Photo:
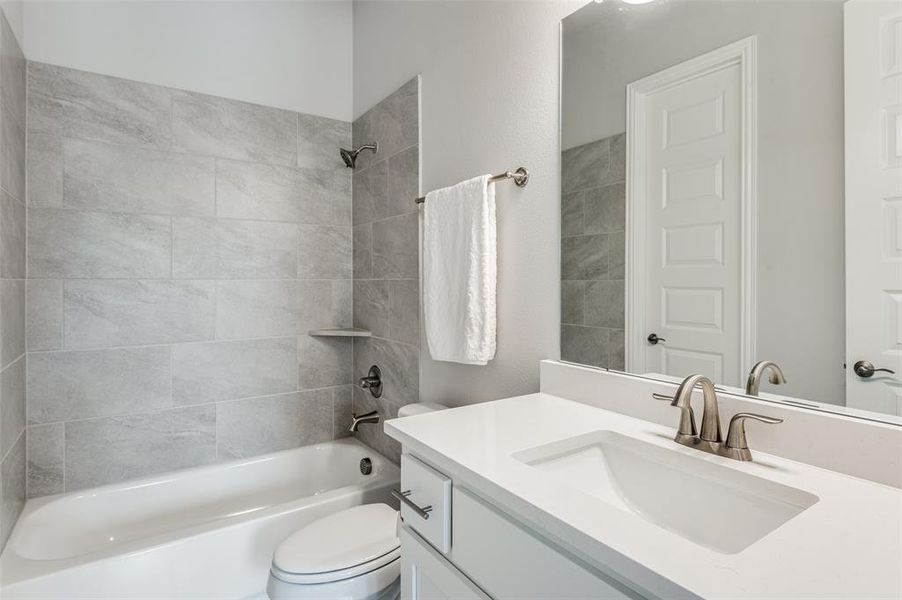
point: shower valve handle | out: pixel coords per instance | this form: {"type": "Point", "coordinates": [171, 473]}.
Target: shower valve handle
{"type": "Point", "coordinates": [373, 381]}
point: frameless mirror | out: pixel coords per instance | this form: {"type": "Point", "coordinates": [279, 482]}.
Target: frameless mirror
{"type": "Point", "coordinates": [731, 178]}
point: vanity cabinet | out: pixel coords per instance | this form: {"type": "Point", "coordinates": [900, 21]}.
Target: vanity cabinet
{"type": "Point", "coordinates": [485, 554]}
{"type": "Point", "coordinates": [425, 575]}
{"type": "Point", "coordinates": [424, 486]}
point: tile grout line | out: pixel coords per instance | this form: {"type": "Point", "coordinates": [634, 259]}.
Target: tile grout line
{"type": "Point", "coordinates": [181, 407]}
{"type": "Point", "coordinates": [12, 362]}
{"type": "Point", "coordinates": [171, 215]}
{"type": "Point", "coordinates": [100, 141]}
{"type": "Point", "coordinates": [170, 344]}
{"type": "Point", "coordinates": [25, 325]}
{"type": "Point", "coordinates": [13, 447]}
{"type": "Point", "coordinates": [187, 279]}
{"type": "Point", "coordinates": [65, 468]}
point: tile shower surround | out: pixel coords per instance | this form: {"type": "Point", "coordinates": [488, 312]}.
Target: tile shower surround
{"type": "Point", "coordinates": [180, 246]}
{"type": "Point", "coordinates": [12, 280]}
{"type": "Point", "coordinates": [386, 258]}
{"type": "Point", "coordinates": [593, 202]}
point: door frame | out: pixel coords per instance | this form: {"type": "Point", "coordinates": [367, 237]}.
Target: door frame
{"type": "Point", "coordinates": [744, 54]}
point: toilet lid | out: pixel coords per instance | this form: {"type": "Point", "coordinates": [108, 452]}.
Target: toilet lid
{"type": "Point", "coordinates": [342, 545]}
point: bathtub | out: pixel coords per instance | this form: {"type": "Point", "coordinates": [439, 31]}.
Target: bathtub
{"type": "Point", "coordinates": [207, 532]}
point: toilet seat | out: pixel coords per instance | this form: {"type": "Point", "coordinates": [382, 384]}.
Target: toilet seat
{"type": "Point", "coordinates": [344, 545]}
{"type": "Point", "coordinates": [337, 575]}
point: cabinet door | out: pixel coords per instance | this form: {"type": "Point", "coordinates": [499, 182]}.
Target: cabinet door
{"type": "Point", "coordinates": [511, 562]}
{"type": "Point", "coordinates": [425, 575]}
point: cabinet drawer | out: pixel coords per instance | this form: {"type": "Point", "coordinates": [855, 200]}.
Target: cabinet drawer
{"type": "Point", "coordinates": [426, 488]}
{"type": "Point", "coordinates": [508, 561]}
{"type": "Point", "coordinates": [425, 575]}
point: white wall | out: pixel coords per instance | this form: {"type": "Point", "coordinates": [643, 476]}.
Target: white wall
{"type": "Point", "coordinates": [801, 308]}
{"type": "Point", "coordinates": [292, 55]}
{"type": "Point", "coordinates": [489, 102]}
{"type": "Point", "coordinates": [12, 9]}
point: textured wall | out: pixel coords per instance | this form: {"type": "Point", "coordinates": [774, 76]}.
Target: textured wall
{"type": "Point", "coordinates": [386, 258]}
{"type": "Point", "coordinates": [180, 246]}
{"type": "Point", "coordinates": [593, 246]}
{"type": "Point", "coordinates": [12, 280]}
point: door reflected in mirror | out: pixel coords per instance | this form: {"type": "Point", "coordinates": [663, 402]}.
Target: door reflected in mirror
{"type": "Point", "coordinates": [722, 163]}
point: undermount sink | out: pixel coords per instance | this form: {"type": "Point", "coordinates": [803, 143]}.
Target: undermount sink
{"type": "Point", "coordinates": [710, 504]}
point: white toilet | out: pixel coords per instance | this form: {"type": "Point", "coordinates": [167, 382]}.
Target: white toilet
{"type": "Point", "coordinates": [353, 554]}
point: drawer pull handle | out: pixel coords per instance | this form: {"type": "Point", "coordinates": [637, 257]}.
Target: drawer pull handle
{"type": "Point", "coordinates": [402, 496]}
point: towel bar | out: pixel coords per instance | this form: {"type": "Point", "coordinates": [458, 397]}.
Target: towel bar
{"type": "Point", "coordinates": [520, 177]}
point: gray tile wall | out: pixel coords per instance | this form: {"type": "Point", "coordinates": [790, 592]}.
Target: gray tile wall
{"type": "Point", "coordinates": [386, 258]}
{"type": "Point", "coordinates": [12, 280]}
{"type": "Point", "coordinates": [593, 201]}
{"type": "Point", "coordinates": [180, 246]}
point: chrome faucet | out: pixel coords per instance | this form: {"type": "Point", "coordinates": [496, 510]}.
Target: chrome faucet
{"type": "Point", "coordinates": [710, 435]}
{"type": "Point", "coordinates": [710, 439]}
{"type": "Point", "coordinates": [370, 417]}
{"type": "Point", "coordinates": [737, 446]}
{"type": "Point", "coordinates": [758, 371]}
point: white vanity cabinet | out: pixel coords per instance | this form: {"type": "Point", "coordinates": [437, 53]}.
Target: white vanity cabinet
{"type": "Point", "coordinates": [610, 520]}
{"type": "Point", "coordinates": [425, 575]}
{"type": "Point", "coordinates": [485, 553]}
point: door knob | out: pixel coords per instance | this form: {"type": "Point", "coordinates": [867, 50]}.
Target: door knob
{"type": "Point", "coordinates": [866, 369]}
{"type": "Point", "coordinates": [654, 339]}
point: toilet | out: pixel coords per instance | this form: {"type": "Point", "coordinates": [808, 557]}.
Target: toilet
{"type": "Point", "coordinates": [353, 554]}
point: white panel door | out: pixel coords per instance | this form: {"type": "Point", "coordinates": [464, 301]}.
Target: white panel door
{"type": "Point", "coordinates": [691, 176]}
{"type": "Point", "coordinates": [873, 104]}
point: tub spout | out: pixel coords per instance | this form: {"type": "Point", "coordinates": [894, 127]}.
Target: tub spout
{"type": "Point", "coordinates": [370, 417]}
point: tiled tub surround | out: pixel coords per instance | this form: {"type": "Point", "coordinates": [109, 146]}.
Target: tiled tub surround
{"type": "Point", "coordinates": [386, 258]}
{"type": "Point", "coordinates": [180, 246]}
{"type": "Point", "coordinates": [593, 200]}
{"type": "Point", "coordinates": [12, 280]}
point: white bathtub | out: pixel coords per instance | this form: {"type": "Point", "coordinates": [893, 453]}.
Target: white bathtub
{"type": "Point", "coordinates": [200, 533]}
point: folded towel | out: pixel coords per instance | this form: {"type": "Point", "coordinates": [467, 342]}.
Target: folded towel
{"type": "Point", "coordinates": [459, 272]}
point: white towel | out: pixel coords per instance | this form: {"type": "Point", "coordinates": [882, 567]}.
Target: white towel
{"type": "Point", "coordinates": [459, 272]}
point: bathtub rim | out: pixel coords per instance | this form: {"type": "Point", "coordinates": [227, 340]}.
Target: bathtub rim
{"type": "Point", "coordinates": [15, 568]}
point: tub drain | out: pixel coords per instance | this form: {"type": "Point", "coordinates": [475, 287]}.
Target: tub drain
{"type": "Point", "coordinates": [366, 466]}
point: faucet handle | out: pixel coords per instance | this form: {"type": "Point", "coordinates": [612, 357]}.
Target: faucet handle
{"type": "Point", "coordinates": [687, 426]}
{"type": "Point", "coordinates": [736, 434]}
{"type": "Point", "coordinates": [373, 381]}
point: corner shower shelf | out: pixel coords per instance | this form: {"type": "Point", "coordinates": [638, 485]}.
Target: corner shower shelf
{"type": "Point", "coordinates": [341, 332]}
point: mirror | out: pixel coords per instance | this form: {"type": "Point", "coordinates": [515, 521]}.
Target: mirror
{"type": "Point", "coordinates": [731, 177]}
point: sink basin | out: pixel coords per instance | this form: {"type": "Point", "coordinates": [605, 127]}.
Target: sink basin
{"type": "Point", "coordinates": [707, 503]}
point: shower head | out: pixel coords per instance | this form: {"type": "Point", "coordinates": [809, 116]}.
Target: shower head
{"type": "Point", "coordinates": [350, 156]}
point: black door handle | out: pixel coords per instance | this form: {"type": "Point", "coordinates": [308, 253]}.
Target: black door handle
{"type": "Point", "coordinates": [654, 339]}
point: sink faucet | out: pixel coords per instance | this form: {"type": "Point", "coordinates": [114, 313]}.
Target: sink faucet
{"type": "Point", "coordinates": [370, 417]}
{"type": "Point", "coordinates": [737, 446]}
{"type": "Point", "coordinates": [711, 416]}
{"type": "Point", "coordinates": [758, 371]}
{"type": "Point", "coordinates": [710, 439]}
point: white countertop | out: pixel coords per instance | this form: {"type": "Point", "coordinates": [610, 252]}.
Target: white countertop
{"type": "Point", "coordinates": [847, 545]}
